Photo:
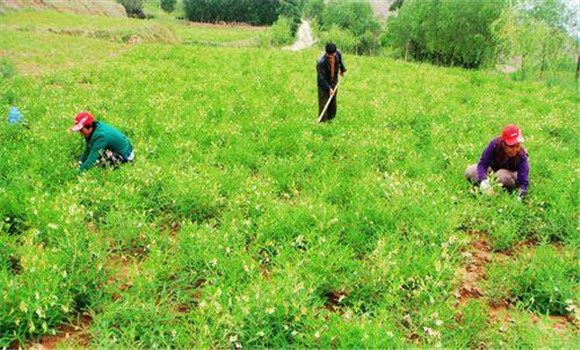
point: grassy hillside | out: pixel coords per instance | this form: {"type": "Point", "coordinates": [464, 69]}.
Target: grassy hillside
{"type": "Point", "coordinates": [243, 223]}
{"type": "Point", "coordinates": [85, 7]}
{"type": "Point", "coordinates": [165, 30]}
{"type": "Point", "coordinates": [35, 41]}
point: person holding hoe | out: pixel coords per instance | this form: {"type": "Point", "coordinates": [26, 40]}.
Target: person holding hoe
{"type": "Point", "coordinates": [327, 68]}
{"type": "Point", "coordinates": [505, 157]}
{"type": "Point", "coordinates": [105, 145]}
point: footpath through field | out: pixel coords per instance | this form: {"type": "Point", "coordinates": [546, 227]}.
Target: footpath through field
{"type": "Point", "coordinates": [305, 38]}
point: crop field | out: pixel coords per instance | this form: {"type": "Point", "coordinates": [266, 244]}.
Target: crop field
{"type": "Point", "coordinates": [244, 224]}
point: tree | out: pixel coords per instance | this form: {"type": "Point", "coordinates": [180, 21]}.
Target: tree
{"type": "Point", "coordinates": [313, 8]}
{"type": "Point", "coordinates": [256, 12]}
{"type": "Point", "coordinates": [353, 24]}
{"type": "Point", "coordinates": [536, 40]}
{"type": "Point", "coordinates": [445, 31]}
{"type": "Point", "coordinates": [358, 17]}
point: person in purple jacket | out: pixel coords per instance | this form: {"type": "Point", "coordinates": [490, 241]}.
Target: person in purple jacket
{"type": "Point", "coordinates": [505, 157]}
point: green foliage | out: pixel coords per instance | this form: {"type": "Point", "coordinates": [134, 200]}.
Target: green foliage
{"type": "Point", "coordinates": [343, 38]}
{"type": "Point", "coordinates": [243, 224]}
{"type": "Point", "coordinates": [445, 32]}
{"type": "Point", "coordinates": [544, 280]}
{"type": "Point", "coordinates": [6, 68]}
{"type": "Point", "coordinates": [535, 36]}
{"type": "Point", "coordinates": [313, 8]}
{"type": "Point", "coordinates": [352, 24]}
{"type": "Point", "coordinates": [168, 5]}
{"type": "Point", "coordinates": [76, 39]}
{"type": "Point", "coordinates": [256, 12]}
{"type": "Point", "coordinates": [357, 17]}
{"type": "Point", "coordinates": [280, 33]}
{"type": "Point", "coordinates": [395, 5]}
{"type": "Point", "coordinates": [134, 8]}
{"type": "Point", "coordinates": [555, 13]}
{"type": "Point", "coordinates": [292, 10]}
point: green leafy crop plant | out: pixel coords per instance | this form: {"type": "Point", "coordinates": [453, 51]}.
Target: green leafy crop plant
{"type": "Point", "coordinates": [244, 223]}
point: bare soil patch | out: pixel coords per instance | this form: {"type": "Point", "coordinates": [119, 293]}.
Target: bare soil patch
{"type": "Point", "coordinates": [75, 332]}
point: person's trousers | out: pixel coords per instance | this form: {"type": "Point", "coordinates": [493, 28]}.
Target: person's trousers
{"type": "Point", "coordinates": [506, 178]}
{"type": "Point", "coordinates": [113, 159]}
{"type": "Point", "coordinates": [323, 97]}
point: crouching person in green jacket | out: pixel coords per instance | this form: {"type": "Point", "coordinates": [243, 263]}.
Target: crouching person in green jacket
{"type": "Point", "coordinates": [105, 144]}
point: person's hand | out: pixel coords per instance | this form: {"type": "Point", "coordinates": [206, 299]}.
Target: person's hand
{"type": "Point", "coordinates": [520, 195]}
{"type": "Point", "coordinates": [485, 187]}
{"type": "Point", "coordinates": [331, 91]}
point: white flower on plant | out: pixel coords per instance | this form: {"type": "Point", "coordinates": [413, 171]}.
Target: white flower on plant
{"type": "Point", "coordinates": [217, 306]}
{"type": "Point", "coordinates": [431, 332]}
{"type": "Point", "coordinates": [23, 307]}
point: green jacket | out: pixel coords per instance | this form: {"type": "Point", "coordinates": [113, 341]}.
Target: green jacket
{"type": "Point", "coordinates": [104, 137]}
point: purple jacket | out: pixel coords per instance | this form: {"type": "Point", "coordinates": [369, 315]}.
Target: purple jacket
{"type": "Point", "coordinates": [493, 156]}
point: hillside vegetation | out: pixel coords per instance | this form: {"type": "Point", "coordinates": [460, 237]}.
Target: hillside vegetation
{"type": "Point", "coordinates": [244, 224]}
{"type": "Point", "coordinates": [84, 7]}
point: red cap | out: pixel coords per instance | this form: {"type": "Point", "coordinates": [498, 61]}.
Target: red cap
{"type": "Point", "coordinates": [82, 119]}
{"type": "Point", "coordinates": [511, 135]}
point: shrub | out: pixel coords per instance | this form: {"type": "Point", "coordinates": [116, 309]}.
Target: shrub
{"type": "Point", "coordinates": [343, 38]}
{"type": "Point", "coordinates": [134, 8]}
{"type": "Point", "coordinates": [282, 31]}
{"type": "Point", "coordinates": [279, 34]}
{"type": "Point", "coordinates": [6, 68]}
{"type": "Point", "coordinates": [266, 38]}
{"type": "Point", "coordinates": [168, 5]}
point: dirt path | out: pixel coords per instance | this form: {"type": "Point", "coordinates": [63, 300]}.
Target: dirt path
{"type": "Point", "coordinates": [305, 38]}
{"type": "Point", "coordinates": [474, 271]}
{"type": "Point", "coordinates": [478, 256]}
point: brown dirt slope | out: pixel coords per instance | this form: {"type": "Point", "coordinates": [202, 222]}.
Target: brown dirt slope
{"type": "Point", "coordinates": [85, 7]}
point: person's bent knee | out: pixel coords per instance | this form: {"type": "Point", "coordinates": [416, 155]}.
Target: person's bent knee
{"type": "Point", "coordinates": [505, 178]}
{"type": "Point", "coordinates": [471, 173]}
